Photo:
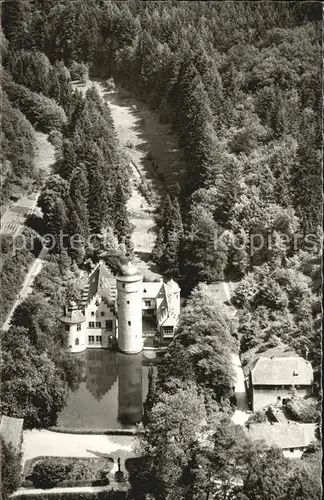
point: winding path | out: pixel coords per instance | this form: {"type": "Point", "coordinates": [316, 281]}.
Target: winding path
{"type": "Point", "coordinates": [26, 288]}
{"type": "Point", "coordinates": [43, 161]}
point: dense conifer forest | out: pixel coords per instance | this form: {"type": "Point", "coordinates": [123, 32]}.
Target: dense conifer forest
{"type": "Point", "coordinates": [240, 85]}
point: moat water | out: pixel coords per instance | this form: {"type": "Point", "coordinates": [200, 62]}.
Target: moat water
{"type": "Point", "coordinates": [112, 391]}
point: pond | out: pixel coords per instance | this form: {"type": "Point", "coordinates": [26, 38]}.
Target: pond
{"type": "Point", "coordinates": [111, 393]}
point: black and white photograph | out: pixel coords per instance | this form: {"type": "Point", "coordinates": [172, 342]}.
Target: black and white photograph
{"type": "Point", "coordinates": [161, 250]}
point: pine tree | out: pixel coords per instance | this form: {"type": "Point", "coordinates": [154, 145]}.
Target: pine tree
{"type": "Point", "coordinates": [121, 219]}
{"type": "Point", "coordinates": [69, 159]}
{"type": "Point", "coordinates": [151, 395]}
{"type": "Point", "coordinates": [173, 237]}
{"type": "Point", "coordinates": [97, 200]}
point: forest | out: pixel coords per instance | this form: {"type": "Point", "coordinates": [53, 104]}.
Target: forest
{"type": "Point", "coordinates": [240, 85]}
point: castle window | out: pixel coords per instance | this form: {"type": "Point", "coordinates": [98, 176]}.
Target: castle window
{"type": "Point", "coordinates": [123, 285]}
{"type": "Point", "coordinates": [98, 339]}
{"type": "Point", "coordinates": [98, 324]}
{"type": "Point", "coordinates": [76, 341]}
{"type": "Point", "coordinates": [92, 313]}
{"type": "Point", "coordinates": [102, 313]}
{"type": "Point", "coordinates": [109, 324]}
{"type": "Point", "coordinates": [67, 328]}
{"type": "Point", "coordinates": [91, 339]}
{"type": "Point", "coordinates": [129, 323]}
{"type": "Point", "coordinates": [147, 303]}
{"type": "Point", "coordinates": [78, 327]}
{"type": "Point", "coordinates": [144, 291]}
{"type": "Point", "coordinates": [128, 302]}
{"type": "Point", "coordinates": [91, 324]}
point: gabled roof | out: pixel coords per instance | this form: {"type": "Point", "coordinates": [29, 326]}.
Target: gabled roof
{"type": "Point", "coordinates": [170, 290]}
{"type": "Point", "coordinates": [100, 282]}
{"type": "Point", "coordinates": [293, 370]}
{"type": "Point", "coordinates": [283, 436]}
{"type": "Point", "coordinates": [151, 289]}
{"type": "Point", "coordinates": [11, 431]}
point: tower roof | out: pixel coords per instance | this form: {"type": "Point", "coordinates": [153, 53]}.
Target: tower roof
{"type": "Point", "coordinates": [73, 315]}
{"type": "Point", "coordinates": [129, 272]}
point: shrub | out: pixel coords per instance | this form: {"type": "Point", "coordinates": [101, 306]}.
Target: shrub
{"type": "Point", "coordinates": [68, 471]}
{"type": "Point", "coordinates": [48, 473]}
{"type": "Point", "coordinates": [257, 418]}
{"type": "Point", "coordinates": [303, 410]}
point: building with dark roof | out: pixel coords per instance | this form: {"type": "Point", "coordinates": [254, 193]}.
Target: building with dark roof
{"type": "Point", "coordinates": [272, 380]}
{"type": "Point", "coordinates": [292, 438]}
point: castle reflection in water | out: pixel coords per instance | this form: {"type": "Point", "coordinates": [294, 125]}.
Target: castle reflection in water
{"type": "Point", "coordinates": [112, 391]}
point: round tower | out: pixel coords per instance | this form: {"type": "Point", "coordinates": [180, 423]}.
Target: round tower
{"type": "Point", "coordinates": [129, 306]}
{"type": "Point", "coordinates": [72, 325]}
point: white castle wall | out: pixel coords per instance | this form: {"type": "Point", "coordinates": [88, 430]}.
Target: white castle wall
{"type": "Point", "coordinates": [75, 340]}
{"type": "Point", "coordinates": [95, 314]}
{"type": "Point", "coordinates": [129, 292]}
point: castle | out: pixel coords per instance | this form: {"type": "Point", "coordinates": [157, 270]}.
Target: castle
{"type": "Point", "coordinates": [118, 311]}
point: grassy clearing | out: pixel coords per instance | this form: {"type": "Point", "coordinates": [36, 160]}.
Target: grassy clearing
{"type": "Point", "coordinates": [45, 154]}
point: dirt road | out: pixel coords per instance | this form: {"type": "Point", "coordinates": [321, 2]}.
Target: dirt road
{"type": "Point", "coordinates": [139, 132]}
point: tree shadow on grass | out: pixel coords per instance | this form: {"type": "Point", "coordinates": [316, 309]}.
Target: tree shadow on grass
{"type": "Point", "coordinates": [101, 455]}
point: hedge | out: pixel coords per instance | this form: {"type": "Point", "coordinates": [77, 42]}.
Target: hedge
{"type": "Point", "coordinates": [47, 472]}
{"type": "Point", "coordinates": [97, 431]}
{"type": "Point", "coordinates": [100, 495]}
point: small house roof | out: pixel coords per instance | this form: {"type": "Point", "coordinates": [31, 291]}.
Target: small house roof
{"type": "Point", "coordinates": [11, 431]}
{"type": "Point", "coordinates": [283, 436]}
{"type": "Point", "coordinates": [151, 289]}
{"type": "Point", "coordinates": [293, 370]}
{"type": "Point", "coordinates": [73, 315]}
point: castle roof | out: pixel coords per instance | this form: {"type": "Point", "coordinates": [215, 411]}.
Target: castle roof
{"type": "Point", "coordinates": [152, 289]}
{"type": "Point", "coordinates": [100, 282]}
{"type": "Point", "coordinates": [129, 272]}
{"type": "Point", "coordinates": [293, 370]}
{"type": "Point", "coordinates": [72, 314]}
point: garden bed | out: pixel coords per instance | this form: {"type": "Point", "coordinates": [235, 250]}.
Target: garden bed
{"type": "Point", "coordinates": [47, 472]}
